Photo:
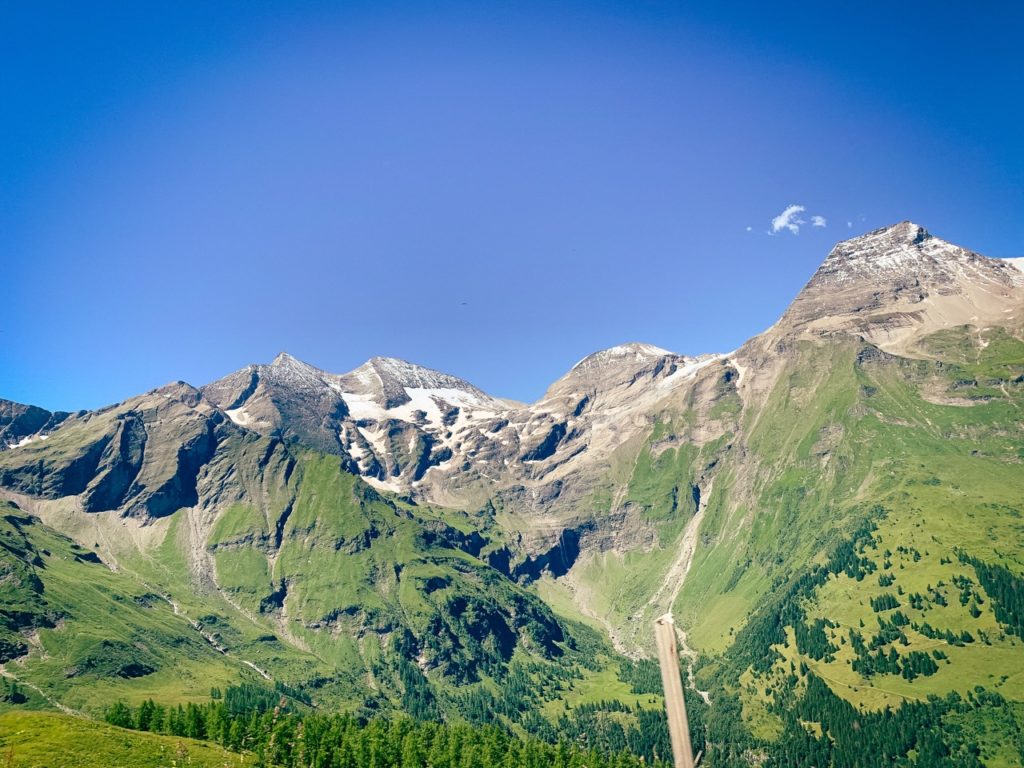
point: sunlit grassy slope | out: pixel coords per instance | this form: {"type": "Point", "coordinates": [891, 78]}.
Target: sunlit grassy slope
{"type": "Point", "coordinates": [81, 634]}
{"type": "Point", "coordinates": [327, 587]}
{"type": "Point", "coordinates": [862, 527]}
{"type": "Point", "coordinates": [926, 450]}
{"type": "Point", "coordinates": [926, 453]}
{"type": "Point", "coordinates": [49, 740]}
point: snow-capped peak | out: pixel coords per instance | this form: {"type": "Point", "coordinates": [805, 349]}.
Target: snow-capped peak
{"type": "Point", "coordinates": [901, 251]}
{"type": "Point", "coordinates": [631, 352]}
{"type": "Point", "coordinates": [387, 379]}
{"type": "Point", "coordinates": [887, 284]}
{"type": "Point", "coordinates": [393, 369]}
{"type": "Point", "coordinates": [286, 362]}
{"type": "Point", "coordinates": [889, 249]}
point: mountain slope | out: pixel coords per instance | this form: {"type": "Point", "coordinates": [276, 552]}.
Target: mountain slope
{"type": "Point", "coordinates": [899, 283]}
{"type": "Point", "coordinates": [286, 563]}
{"type": "Point", "coordinates": [46, 739]}
{"type": "Point", "coordinates": [832, 511]}
{"type": "Point", "coordinates": [75, 633]}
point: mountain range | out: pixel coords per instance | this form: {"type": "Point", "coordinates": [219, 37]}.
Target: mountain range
{"type": "Point", "coordinates": [833, 512]}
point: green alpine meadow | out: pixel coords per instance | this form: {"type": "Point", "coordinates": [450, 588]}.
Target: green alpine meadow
{"type": "Point", "coordinates": [393, 568]}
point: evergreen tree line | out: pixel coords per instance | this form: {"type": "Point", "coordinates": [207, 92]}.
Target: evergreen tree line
{"type": "Point", "coordinates": [1006, 591]}
{"type": "Point", "coordinates": [753, 646]}
{"type": "Point", "coordinates": [960, 640]}
{"type": "Point", "coordinates": [291, 739]}
{"type": "Point", "coordinates": [643, 675]}
{"type": "Point", "coordinates": [917, 733]}
{"type": "Point", "coordinates": [812, 640]}
{"type": "Point", "coordinates": [822, 729]}
{"type": "Point", "coordinates": [524, 687]}
{"type": "Point", "coordinates": [612, 727]}
{"type": "Point", "coordinates": [884, 602]}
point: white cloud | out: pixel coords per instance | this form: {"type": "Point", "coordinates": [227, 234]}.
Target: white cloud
{"type": "Point", "coordinates": [789, 219]}
{"type": "Point", "coordinates": [849, 225]}
{"type": "Point", "coordinates": [818, 221]}
{"type": "Point", "coordinates": [749, 228]}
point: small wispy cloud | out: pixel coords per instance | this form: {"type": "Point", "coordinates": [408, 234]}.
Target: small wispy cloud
{"type": "Point", "coordinates": [789, 219]}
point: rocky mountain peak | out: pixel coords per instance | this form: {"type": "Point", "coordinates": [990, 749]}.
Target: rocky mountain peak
{"type": "Point", "coordinates": [387, 381]}
{"type": "Point", "coordinates": [285, 359]}
{"type": "Point", "coordinates": [180, 391]}
{"type": "Point", "coordinates": [623, 355]}
{"type": "Point", "coordinates": [618, 366]}
{"type": "Point", "coordinates": [908, 253]}
{"type": "Point", "coordinates": [21, 424]}
{"type": "Point", "coordinates": [903, 250]}
{"type": "Point", "coordinates": [287, 370]}
{"type": "Point", "coordinates": [889, 282]}
{"type": "Point", "coordinates": [394, 372]}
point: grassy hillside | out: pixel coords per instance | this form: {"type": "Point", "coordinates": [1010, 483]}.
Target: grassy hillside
{"type": "Point", "coordinates": [860, 548]}
{"type": "Point", "coordinates": [312, 581]}
{"type": "Point", "coordinates": [857, 568]}
{"type": "Point", "coordinates": [75, 632]}
{"type": "Point", "coordinates": [48, 740]}
{"type": "Point", "coordinates": [872, 554]}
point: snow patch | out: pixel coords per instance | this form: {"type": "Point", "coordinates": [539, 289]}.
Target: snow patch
{"type": "Point", "coordinates": [355, 450]}
{"type": "Point", "coordinates": [25, 441]}
{"type": "Point", "coordinates": [689, 370]}
{"type": "Point", "coordinates": [383, 485]}
{"type": "Point", "coordinates": [376, 438]}
{"type": "Point", "coordinates": [741, 370]}
{"type": "Point", "coordinates": [1017, 263]}
{"type": "Point", "coordinates": [239, 416]}
{"type": "Point", "coordinates": [362, 407]}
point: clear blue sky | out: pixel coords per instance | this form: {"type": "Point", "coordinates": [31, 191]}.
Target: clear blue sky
{"type": "Point", "coordinates": [491, 189]}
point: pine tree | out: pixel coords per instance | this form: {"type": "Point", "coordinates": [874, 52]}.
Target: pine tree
{"type": "Point", "coordinates": [120, 715]}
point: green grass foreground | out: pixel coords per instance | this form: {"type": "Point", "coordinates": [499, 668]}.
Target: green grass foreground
{"type": "Point", "coordinates": [45, 740]}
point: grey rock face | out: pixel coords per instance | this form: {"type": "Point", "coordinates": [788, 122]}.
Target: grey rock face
{"type": "Point", "coordinates": [901, 282]}
{"type": "Point", "coordinates": [141, 457]}
{"type": "Point", "coordinates": [287, 398]}
{"type": "Point", "coordinates": [390, 420]}
{"type": "Point", "coordinates": [20, 424]}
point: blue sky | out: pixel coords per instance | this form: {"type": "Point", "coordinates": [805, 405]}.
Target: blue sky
{"type": "Point", "coordinates": [494, 190]}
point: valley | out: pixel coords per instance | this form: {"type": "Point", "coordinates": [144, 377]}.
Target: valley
{"type": "Point", "coordinates": [833, 512]}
